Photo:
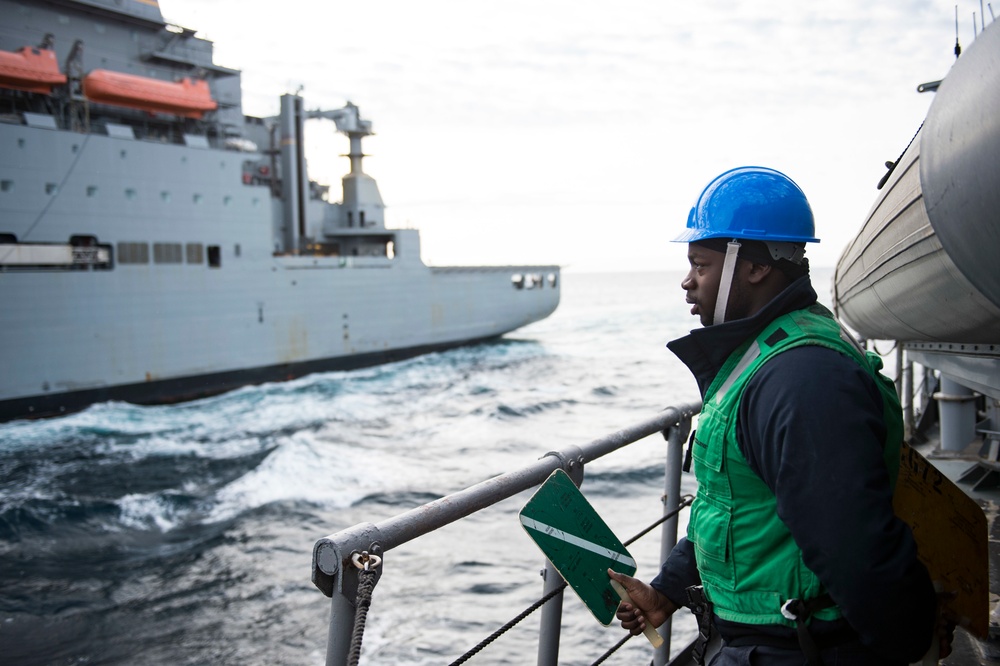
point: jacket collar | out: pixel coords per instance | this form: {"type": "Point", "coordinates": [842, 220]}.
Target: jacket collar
{"type": "Point", "coordinates": [704, 350]}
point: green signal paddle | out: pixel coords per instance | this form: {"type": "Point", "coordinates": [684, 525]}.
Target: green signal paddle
{"type": "Point", "coordinates": [580, 546]}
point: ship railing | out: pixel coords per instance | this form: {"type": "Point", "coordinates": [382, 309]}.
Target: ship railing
{"type": "Point", "coordinates": [336, 571]}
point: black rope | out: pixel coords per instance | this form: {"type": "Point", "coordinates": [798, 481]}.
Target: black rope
{"type": "Point", "coordinates": [614, 648]}
{"type": "Point", "coordinates": [499, 632]}
{"type": "Point", "coordinates": [685, 502]}
{"type": "Point", "coordinates": [366, 583]}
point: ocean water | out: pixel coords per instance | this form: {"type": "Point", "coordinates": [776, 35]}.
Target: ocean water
{"type": "Point", "coordinates": [183, 534]}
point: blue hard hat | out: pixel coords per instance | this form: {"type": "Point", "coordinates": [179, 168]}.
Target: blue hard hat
{"type": "Point", "coordinates": [753, 203]}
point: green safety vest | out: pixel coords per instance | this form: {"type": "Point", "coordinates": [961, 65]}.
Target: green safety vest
{"type": "Point", "coordinates": [748, 561]}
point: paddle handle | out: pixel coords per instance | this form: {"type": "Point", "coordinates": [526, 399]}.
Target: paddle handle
{"type": "Point", "coordinates": [648, 631]}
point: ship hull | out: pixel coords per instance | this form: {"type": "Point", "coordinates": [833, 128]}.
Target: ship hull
{"type": "Point", "coordinates": [182, 389]}
{"type": "Point", "coordinates": [174, 330]}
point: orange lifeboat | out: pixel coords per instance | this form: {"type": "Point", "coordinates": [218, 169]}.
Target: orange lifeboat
{"type": "Point", "coordinates": [188, 97]}
{"type": "Point", "coordinates": [31, 69]}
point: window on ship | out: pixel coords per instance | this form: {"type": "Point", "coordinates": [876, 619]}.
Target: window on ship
{"type": "Point", "coordinates": [214, 256]}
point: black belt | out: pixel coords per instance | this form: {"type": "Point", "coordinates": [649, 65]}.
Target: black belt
{"type": "Point", "coordinates": [839, 635]}
{"type": "Point", "coordinates": [797, 610]}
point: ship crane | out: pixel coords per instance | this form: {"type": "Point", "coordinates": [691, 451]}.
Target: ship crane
{"type": "Point", "coordinates": [348, 121]}
{"type": "Point", "coordinates": [361, 208]}
{"type": "Point", "coordinates": [362, 205]}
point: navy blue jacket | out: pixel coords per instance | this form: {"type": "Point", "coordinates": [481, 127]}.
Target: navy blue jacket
{"type": "Point", "coordinates": [811, 426]}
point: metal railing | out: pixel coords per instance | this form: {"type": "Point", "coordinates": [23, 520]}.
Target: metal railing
{"type": "Point", "coordinates": [337, 577]}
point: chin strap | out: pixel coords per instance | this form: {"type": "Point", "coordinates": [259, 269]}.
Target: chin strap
{"type": "Point", "coordinates": [726, 282]}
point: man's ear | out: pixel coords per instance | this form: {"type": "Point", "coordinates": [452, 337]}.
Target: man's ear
{"type": "Point", "coordinates": [759, 273]}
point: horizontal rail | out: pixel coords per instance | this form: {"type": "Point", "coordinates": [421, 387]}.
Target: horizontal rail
{"type": "Point", "coordinates": [331, 554]}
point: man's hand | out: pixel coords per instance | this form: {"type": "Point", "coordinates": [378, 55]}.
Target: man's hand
{"type": "Point", "coordinates": [649, 605]}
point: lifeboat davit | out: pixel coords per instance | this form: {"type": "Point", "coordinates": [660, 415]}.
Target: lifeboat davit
{"type": "Point", "coordinates": [31, 69]}
{"type": "Point", "coordinates": [190, 98]}
{"type": "Point", "coordinates": [924, 267]}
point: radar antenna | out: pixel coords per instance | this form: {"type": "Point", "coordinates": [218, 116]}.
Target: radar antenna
{"type": "Point", "coordinates": [958, 47]}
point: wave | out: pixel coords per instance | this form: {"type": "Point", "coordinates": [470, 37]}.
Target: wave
{"type": "Point", "coordinates": [399, 500]}
{"type": "Point", "coordinates": [619, 482]}
{"type": "Point", "coordinates": [316, 439]}
{"type": "Point", "coordinates": [503, 411]}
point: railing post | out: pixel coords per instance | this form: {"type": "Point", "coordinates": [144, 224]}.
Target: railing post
{"type": "Point", "coordinates": [338, 642]}
{"type": "Point", "coordinates": [927, 388]}
{"type": "Point", "coordinates": [899, 370]}
{"type": "Point", "coordinates": [335, 576]}
{"type": "Point", "coordinates": [551, 618]}
{"type": "Point", "coordinates": [908, 395]}
{"type": "Point", "coordinates": [550, 626]}
{"type": "Point", "coordinates": [676, 436]}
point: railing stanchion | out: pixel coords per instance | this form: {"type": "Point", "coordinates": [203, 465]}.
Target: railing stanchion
{"type": "Point", "coordinates": [908, 394]}
{"type": "Point", "coordinates": [335, 576]}
{"type": "Point", "coordinates": [551, 618]}
{"type": "Point", "coordinates": [338, 642]}
{"type": "Point", "coordinates": [676, 436]}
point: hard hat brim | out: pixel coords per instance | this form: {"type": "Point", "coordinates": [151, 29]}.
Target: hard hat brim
{"type": "Point", "coordinates": [694, 235]}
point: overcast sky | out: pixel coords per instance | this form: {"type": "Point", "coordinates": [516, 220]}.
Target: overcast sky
{"type": "Point", "coordinates": [580, 132]}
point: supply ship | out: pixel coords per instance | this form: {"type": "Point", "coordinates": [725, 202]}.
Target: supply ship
{"type": "Point", "coordinates": [158, 245]}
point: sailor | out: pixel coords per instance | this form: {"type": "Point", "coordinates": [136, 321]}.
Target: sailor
{"type": "Point", "coordinates": [793, 553]}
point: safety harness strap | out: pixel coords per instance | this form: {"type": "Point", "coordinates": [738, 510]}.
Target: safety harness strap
{"type": "Point", "coordinates": [799, 611]}
{"type": "Point", "coordinates": [702, 608]}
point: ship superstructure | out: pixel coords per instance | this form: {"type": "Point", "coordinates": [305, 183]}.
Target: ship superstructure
{"type": "Point", "coordinates": [158, 245]}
